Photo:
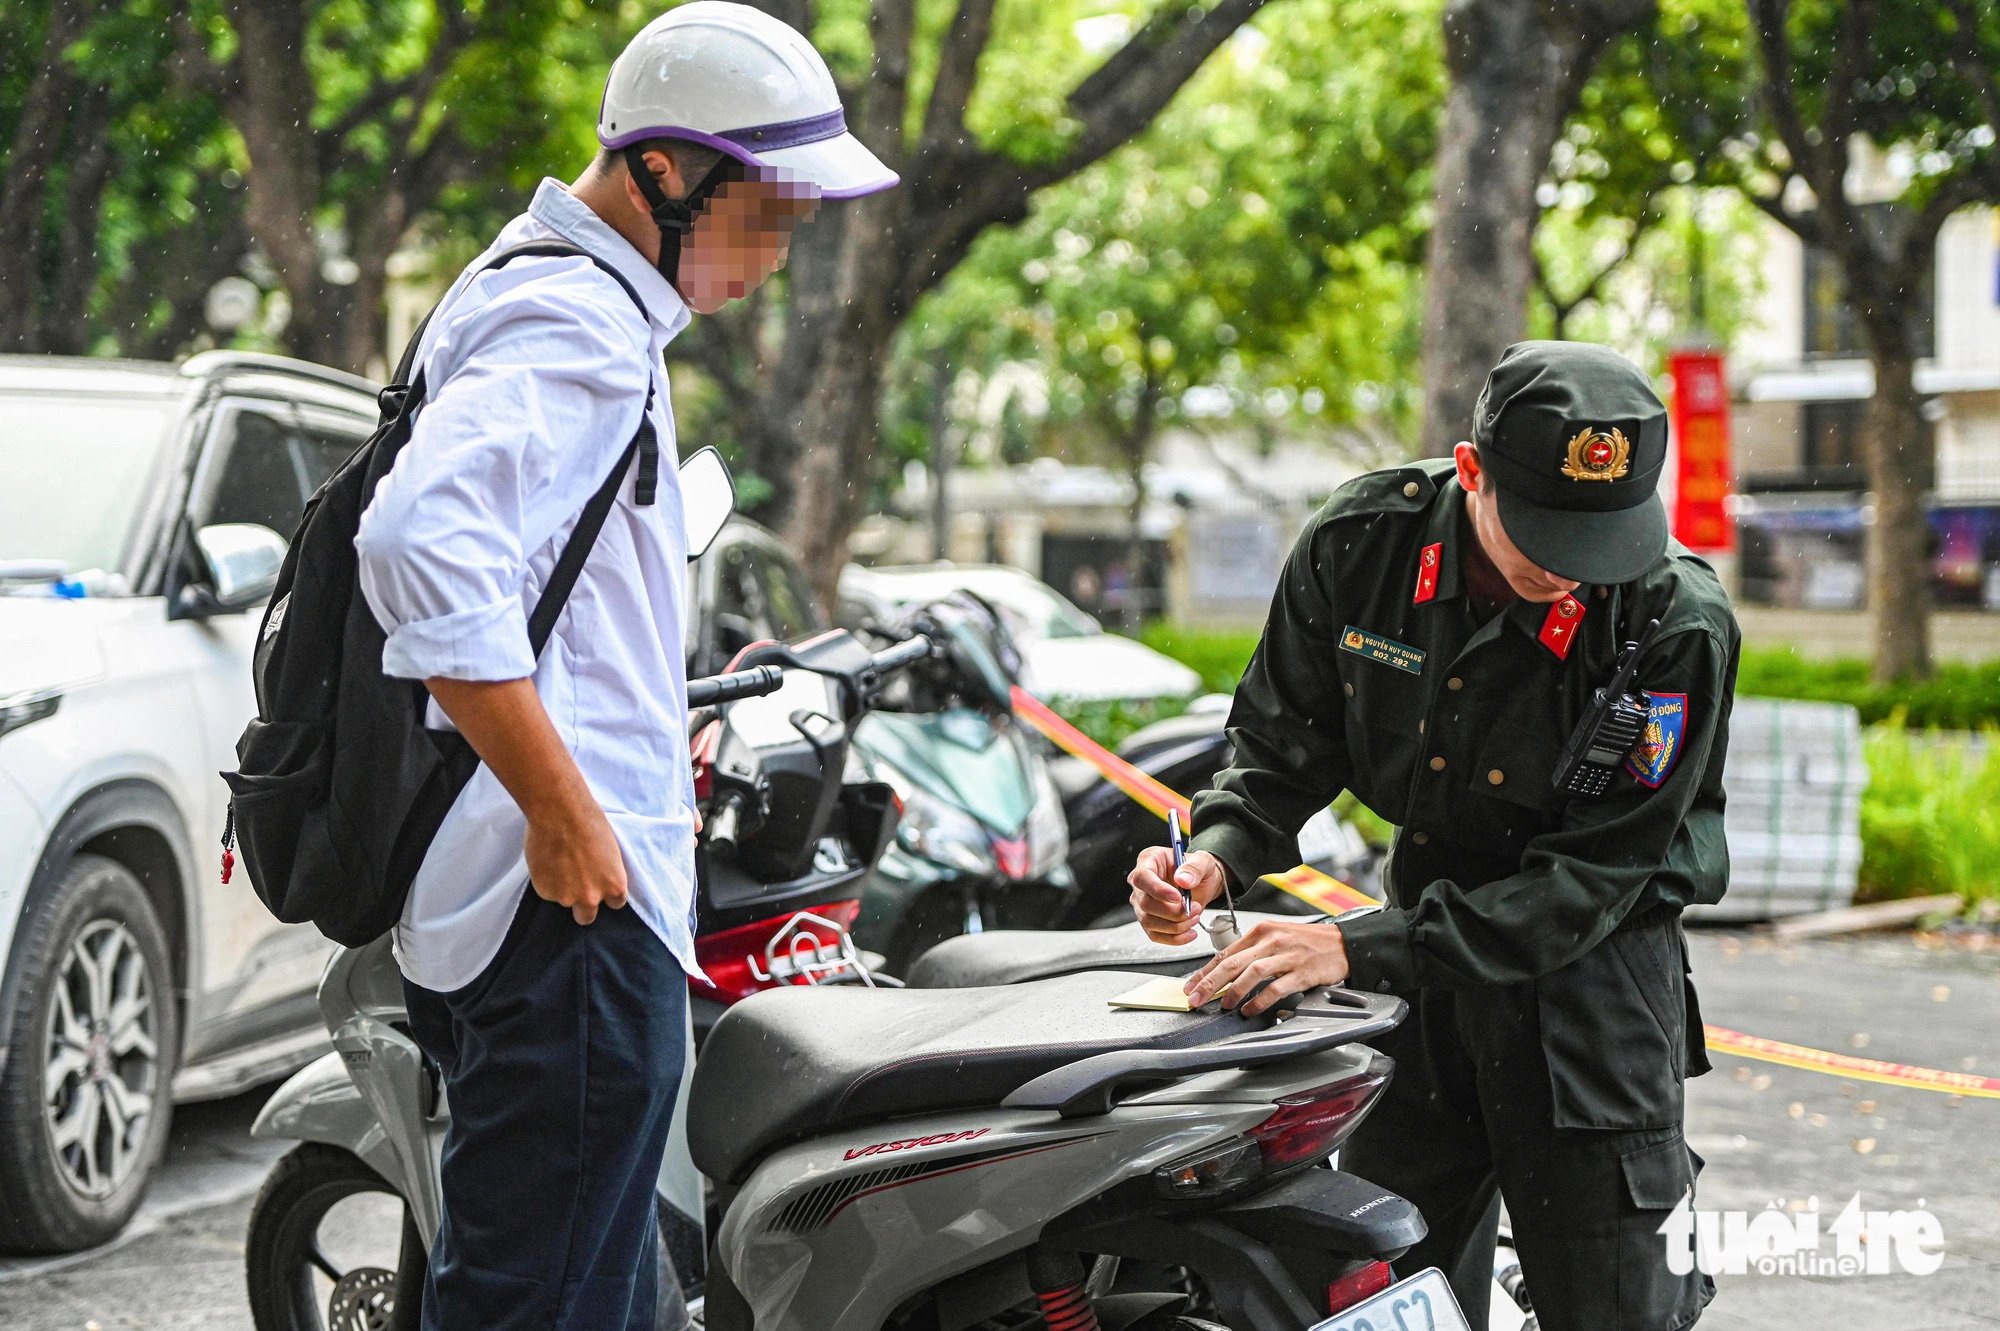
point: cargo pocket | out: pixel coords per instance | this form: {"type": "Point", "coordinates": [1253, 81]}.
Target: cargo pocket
{"type": "Point", "coordinates": [1613, 1034]}
{"type": "Point", "coordinates": [278, 804]}
{"type": "Point", "coordinates": [1657, 1178]}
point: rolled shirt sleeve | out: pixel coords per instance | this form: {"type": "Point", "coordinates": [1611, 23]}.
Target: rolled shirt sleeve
{"type": "Point", "coordinates": [1287, 728]}
{"type": "Point", "coordinates": [1579, 881]}
{"type": "Point", "coordinates": [534, 401]}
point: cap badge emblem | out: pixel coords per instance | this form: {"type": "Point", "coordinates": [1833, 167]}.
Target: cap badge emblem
{"type": "Point", "coordinates": [1595, 455]}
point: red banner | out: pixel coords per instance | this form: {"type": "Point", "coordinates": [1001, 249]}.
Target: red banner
{"type": "Point", "coordinates": [1704, 476]}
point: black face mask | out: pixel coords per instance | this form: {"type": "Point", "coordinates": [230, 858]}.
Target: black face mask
{"type": "Point", "coordinates": [675, 217]}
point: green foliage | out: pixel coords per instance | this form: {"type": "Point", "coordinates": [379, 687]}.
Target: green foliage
{"type": "Point", "coordinates": [1955, 697]}
{"type": "Point", "coordinates": [1110, 723]}
{"type": "Point", "coordinates": [1261, 239]}
{"type": "Point", "coordinates": [1219, 656]}
{"type": "Point", "coordinates": [1927, 820]}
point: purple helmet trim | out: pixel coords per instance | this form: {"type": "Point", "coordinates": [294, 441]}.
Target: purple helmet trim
{"type": "Point", "coordinates": [792, 129]}
{"type": "Point", "coordinates": [790, 133]}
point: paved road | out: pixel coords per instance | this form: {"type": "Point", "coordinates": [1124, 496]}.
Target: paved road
{"type": "Point", "coordinates": [1770, 1134]}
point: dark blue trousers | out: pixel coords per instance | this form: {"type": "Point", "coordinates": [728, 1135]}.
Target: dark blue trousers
{"type": "Point", "coordinates": [561, 1062]}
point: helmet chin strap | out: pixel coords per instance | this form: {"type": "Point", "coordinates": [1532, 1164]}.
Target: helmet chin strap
{"type": "Point", "coordinates": [674, 217]}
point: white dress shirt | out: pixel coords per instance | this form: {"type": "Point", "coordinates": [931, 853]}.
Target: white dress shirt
{"type": "Point", "coordinates": [536, 374]}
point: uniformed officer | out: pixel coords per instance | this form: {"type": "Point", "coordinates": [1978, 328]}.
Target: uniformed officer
{"type": "Point", "coordinates": [1437, 633]}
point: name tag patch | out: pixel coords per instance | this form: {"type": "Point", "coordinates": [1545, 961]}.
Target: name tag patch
{"type": "Point", "coordinates": [1385, 650]}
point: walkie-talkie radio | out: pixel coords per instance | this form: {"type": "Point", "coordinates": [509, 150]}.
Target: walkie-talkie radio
{"type": "Point", "coordinates": [1608, 728]}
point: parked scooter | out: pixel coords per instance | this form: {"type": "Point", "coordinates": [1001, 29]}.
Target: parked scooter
{"type": "Point", "coordinates": [1040, 1135]}
{"type": "Point", "coordinates": [1067, 1135]}
{"type": "Point", "coordinates": [982, 842]}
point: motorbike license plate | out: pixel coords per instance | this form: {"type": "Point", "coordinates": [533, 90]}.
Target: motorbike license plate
{"type": "Point", "coordinates": [1421, 1303]}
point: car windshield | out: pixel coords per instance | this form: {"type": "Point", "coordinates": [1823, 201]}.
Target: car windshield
{"type": "Point", "coordinates": [77, 471]}
{"type": "Point", "coordinates": [1032, 609]}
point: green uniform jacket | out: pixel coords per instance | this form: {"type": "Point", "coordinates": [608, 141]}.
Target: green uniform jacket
{"type": "Point", "coordinates": [1375, 676]}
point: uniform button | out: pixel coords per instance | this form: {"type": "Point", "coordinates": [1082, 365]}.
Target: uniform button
{"type": "Point", "coordinates": [1382, 986]}
{"type": "Point", "coordinates": [1454, 683]}
{"type": "Point", "coordinates": [1437, 763]}
{"type": "Point", "coordinates": [1603, 592]}
{"type": "Point", "coordinates": [1348, 689]}
{"type": "Point", "coordinates": [1410, 490]}
{"type": "Point", "coordinates": [1421, 838]}
{"type": "Point", "coordinates": [1496, 776]}
{"type": "Point", "coordinates": [1420, 727]}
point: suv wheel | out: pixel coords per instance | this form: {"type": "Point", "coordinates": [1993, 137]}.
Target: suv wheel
{"type": "Point", "coordinates": [85, 1093]}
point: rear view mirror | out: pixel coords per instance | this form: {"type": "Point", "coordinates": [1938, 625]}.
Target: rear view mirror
{"type": "Point", "coordinates": [242, 560]}
{"type": "Point", "coordinates": [708, 497]}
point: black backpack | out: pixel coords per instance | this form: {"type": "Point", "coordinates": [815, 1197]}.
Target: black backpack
{"type": "Point", "coordinates": [340, 786]}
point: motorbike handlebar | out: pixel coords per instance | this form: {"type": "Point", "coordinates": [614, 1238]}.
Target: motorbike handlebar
{"type": "Point", "coordinates": [751, 683]}
{"type": "Point", "coordinates": [902, 654]}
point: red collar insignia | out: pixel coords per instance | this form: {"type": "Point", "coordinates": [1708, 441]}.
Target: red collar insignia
{"type": "Point", "coordinates": [1427, 573]}
{"type": "Point", "coordinates": [1559, 628]}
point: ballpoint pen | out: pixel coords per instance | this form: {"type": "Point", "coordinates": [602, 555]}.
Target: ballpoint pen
{"type": "Point", "coordinates": [1179, 843]}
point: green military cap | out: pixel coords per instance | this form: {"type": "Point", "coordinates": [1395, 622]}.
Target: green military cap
{"type": "Point", "coordinates": [1575, 439]}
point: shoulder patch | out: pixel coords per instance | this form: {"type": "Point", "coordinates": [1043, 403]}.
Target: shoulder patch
{"type": "Point", "coordinates": [1659, 746]}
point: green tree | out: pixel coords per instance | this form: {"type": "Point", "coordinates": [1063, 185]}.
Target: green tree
{"type": "Point", "coordinates": [977, 105]}
{"type": "Point", "coordinates": [1259, 242]}
{"type": "Point", "coordinates": [1813, 92]}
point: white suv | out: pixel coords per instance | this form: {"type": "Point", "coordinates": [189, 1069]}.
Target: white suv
{"type": "Point", "coordinates": [143, 512]}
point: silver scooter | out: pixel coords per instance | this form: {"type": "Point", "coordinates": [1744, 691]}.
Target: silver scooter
{"type": "Point", "coordinates": [882, 1158]}
{"type": "Point", "coordinates": [1039, 1137]}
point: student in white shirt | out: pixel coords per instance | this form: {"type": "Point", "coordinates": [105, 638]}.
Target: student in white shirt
{"type": "Point", "coordinates": [548, 937]}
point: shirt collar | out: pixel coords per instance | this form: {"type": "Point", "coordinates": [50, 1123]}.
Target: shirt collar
{"type": "Point", "coordinates": [569, 217]}
{"type": "Point", "coordinates": [1441, 530]}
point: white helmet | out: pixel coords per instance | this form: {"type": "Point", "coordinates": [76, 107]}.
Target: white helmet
{"type": "Point", "coordinates": [740, 81]}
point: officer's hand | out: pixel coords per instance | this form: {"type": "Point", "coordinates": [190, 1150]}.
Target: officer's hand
{"type": "Point", "coordinates": [1293, 955]}
{"type": "Point", "coordinates": [574, 861]}
{"type": "Point", "coordinates": [1157, 901]}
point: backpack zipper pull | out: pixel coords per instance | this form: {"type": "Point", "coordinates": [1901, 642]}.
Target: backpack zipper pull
{"type": "Point", "coordinates": [228, 841]}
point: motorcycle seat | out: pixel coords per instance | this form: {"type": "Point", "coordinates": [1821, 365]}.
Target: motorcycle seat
{"type": "Point", "coordinates": [1009, 956]}
{"type": "Point", "coordinates": [798, 1062]}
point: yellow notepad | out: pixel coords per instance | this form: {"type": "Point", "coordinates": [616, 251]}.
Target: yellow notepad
{"type": "Point", "coordinates": [1162, 993]}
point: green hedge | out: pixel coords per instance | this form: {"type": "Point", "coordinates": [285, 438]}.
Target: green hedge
{"type": "Point", "coordinates": [1218, 656]}
{"type": "Point", "coordinates": [1930, 822]}
{"type": "Point", "coordinates": [1956, 697]}
{"type": "Point", "coordinates": [1928, 819]}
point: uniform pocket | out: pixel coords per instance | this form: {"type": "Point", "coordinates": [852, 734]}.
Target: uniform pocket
{"type": "Point", "coordinates": [1515, 765]}
{"type": "Point", "coordinates": [1614, 1045]}
{"type": "Point", "coordinates": [1657, 1178]}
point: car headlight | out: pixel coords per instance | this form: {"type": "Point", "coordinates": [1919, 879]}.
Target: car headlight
{"type": "Point", "coordinates": [18, 709]}
{"type": "Point", "coordinates": [945, 833]}
{"type": "Point", "coordinates": [1048, 829]}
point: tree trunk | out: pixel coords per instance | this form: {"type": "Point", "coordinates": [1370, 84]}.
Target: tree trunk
{"type": "Point", "coordinates": [66, 309]}
{"type": "Point", "coordinates": [1516, 67]}
{"type": "Point", "coordinates": [836, 347]}
{"type": "Point", "coordinates": [37, 145]}
{"type": "Point", "coordinates": [272, 109]}
{"type": "Point", "coordinates": [1897, 451]}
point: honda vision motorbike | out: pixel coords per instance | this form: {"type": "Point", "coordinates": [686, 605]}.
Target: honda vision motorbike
{"type": "Point", "coordinates": [849, 1156]}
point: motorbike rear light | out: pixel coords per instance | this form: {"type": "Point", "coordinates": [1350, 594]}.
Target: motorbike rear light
{"type": "Point", "coordinates": [800, 947]}
{"type": "Point", "coordinates": [1308, 1127]}
{"type": "Point", "coordinates": [1302, 1130]}
{"type": "Point", "coordinates": [1346, 1291]}
{"type": "Point", "coordinates": [1211, 1172]}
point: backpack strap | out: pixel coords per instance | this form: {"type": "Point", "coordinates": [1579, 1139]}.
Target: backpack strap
{"type": "Point", "coordinates": [406, 393]}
